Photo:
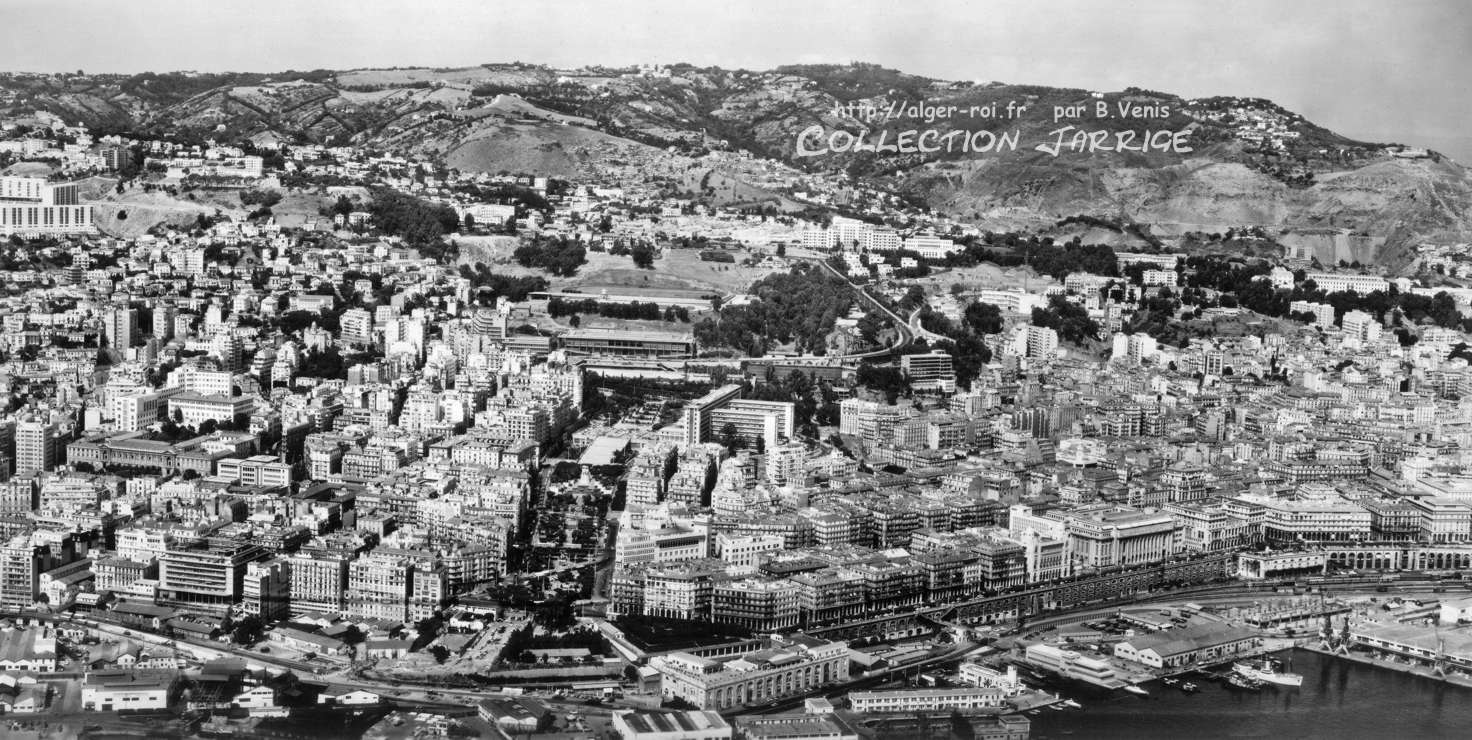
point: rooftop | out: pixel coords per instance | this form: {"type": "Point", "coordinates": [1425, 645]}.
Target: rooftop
{"type": "Point", "coordinates": [684, 722]}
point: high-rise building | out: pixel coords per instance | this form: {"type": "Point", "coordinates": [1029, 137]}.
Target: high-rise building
{"type": "Point", "coordinates": [428, 592]}
{"type": "Point", "coordinates": [208, 575]}
{"type": "Point", "coordinates": [319, 579]}
{"type": "Point", "coordinates": [35, 446]}
{"type": "Point", "coordinates": [120, 326]}
{"type": "Point", "coordinates": [785, 463]}
{"type": "Point", "coordinates": [30, 205]}
{"type": "Point", "coordinates": [356, 326]}
{"type": "Point", "coordinates": [117, 158]}
{"type": "Point", "coordinates": [931, 372]}
{"type": "Point", "coordinates": [1361, 326]}
{"type": "Point", "coordinates": [19, 573]}
{"type": "Point", "coordinates": [764, 422]}
{"type": "Point", "coordinates": [1040, 341]}
{"type": "Point", "coordinates": [697, 413]}
{"type": "Point", "coordinates": [163, 321]}
{"type": "Point", "coordinates": [227, 348]}
{"type": "Point", "coordinates": [266, 592]}
{"type": "Point", "coordinates": [191, 261]}
{"type": "Point", "coordinates": [378, 587]}
{"type": "Point", "coordinates": [136, 411]}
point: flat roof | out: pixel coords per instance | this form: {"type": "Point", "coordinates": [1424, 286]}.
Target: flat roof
{"type": "Point", "coordinates": [673, 721]}
{"type": "Point", "coordinates": [1456, 642]}
{"type": "Point", "coordinates": [593, 289]}
{"type": "Point", "coordinates": [630, 334]}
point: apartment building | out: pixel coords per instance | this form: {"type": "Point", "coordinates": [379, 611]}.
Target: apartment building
{"type": "Point", "coordinates": [207, 575]}
{"type": "Point", "coordinates": [31, 206]}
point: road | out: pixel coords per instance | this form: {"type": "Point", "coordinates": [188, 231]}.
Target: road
{"type": "Point", "coordinates": [903, 327]}
{"type": "Point", "coordinates": [1415, 585]}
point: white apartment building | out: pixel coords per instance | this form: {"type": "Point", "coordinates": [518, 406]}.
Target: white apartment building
{"type": "Point", "coordinates": [929, 246]}
{"type": "Point", "coordinates": [32, 206]}
{"type": "Point", "coordinates": [1333, 282]}
{"type": "Point", "coordinates": [921, 700]}
{"type": "Point", "coordinates": [1361, 327]}
{"type": "Point", "coordinates": [747, 551]}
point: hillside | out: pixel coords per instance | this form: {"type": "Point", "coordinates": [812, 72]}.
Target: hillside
{"type": "Point", "coordinates": [1250, 162]}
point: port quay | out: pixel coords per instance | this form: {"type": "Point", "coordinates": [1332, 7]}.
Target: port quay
{"type": "Point", "coordinates": [1117, 630]}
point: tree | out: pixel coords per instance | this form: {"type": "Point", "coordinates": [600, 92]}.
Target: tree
{"type": "Point", "coordinates": [731, 436]}
{"type": "Point", "coordinates": [469, 221]}
{"type": "Point", "coordinates": [1069, 319]}
{"type": "Point", "coordinates": [984, 318]}
{"type": "Point", "coordinates": [882, 378]}
{"type": "Point", "coordinates": [781, 250]}
{"type": "Point", "coordinates": [418, 221]}
{"type": "Point", "coordinates": [247, 630]}
{"type": "Point", "coordinates": [643, 256]}
{"type": "Point", "coordinates": [558, 256]}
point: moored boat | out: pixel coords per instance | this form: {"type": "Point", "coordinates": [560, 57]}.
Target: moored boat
{"type": "Point", "coordinates": [1266, 672]}
{"type": "Point", "coordinates": [1244, 683]}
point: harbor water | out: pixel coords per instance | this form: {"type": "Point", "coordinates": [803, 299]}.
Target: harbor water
{"type": "Point", "coordinates": [1339, 699]}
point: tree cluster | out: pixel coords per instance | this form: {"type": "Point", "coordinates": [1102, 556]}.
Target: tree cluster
{"type": "Point", "coordinates": [558, 255]}
{"type": "Point", "coordinates": [968, 350]}
{"type": "Point", "coordinates": [511, 288]}
{"type": "Point", "coordinates": [799, 307]}
{"type": "Point", "coordinates": [1069, 319]}
{"type": "Point", "coordinates": [418, 221]}
{"type": "Point", "coordinates": [262, 198]}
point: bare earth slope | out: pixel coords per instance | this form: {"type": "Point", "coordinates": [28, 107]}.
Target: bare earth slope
{"type": "Point", "coordinates": [1329, 194]}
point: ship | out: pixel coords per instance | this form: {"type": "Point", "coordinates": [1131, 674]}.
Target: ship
{"type": "Point", "coordinates": [1133, 689]}
{"type": "Point", "coordinates": [1168, 681]}
{"type": "Point", "coordinates": [1190, 688]}
{"type": "Point", "coordinates": [1243, 682]}
{"type": "Point", "coordinates": [1266, 672]}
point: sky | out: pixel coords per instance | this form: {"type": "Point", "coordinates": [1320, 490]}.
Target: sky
{"type": "Point", "coordinates": [1370, 69]}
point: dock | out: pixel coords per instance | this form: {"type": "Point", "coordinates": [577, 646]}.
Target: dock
{"type": "Point", "coordinates": [1414, 670]}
